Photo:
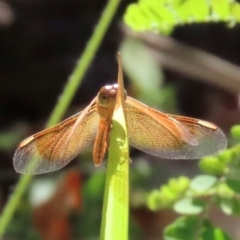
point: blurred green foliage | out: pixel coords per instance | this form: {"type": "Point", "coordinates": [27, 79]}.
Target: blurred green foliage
{"type": "Point", "coordinates": [9, 140]}
{"type": "Point", "coordinates": [162, 16]}
{"type": "Point", "coordinates": [22, 224]}
{"type": "Point", "coordinates": [184, 229]}
{"type": "Point", "coordinates": [219, 185]}
{"type": "Point", "coordinates": [146, 76]}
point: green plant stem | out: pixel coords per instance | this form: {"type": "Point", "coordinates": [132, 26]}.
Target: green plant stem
{"type": "Point", "coordinates": [116, 196]}
{"type": "Point", "coordinates": [63, 103]}
{"type": "Point", "coordinates": [115, 206]}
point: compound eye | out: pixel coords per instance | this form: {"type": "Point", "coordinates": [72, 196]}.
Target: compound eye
{"type": "Point", "coordinates": [102, 99]}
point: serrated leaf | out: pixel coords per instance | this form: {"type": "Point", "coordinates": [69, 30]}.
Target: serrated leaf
{"type": "Point", "coordinates": [163, 16]}
{"type": "Point", "coordinates": [189, 206]}
{"type": "Point", "coordinates": [202, 183]}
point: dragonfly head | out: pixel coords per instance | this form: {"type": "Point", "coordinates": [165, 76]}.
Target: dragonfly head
{"type": "Point", "coordinates": [107, 96]}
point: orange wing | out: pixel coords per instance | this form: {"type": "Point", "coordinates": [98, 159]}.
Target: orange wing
{"type": "Point", "coordinates": [170, 136]}
{"type": "Point", "coordinates": [53, 148]}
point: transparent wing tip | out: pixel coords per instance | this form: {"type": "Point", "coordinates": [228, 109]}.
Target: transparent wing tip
{"type": "Point", "coordinates": [221, 140]}
{"type": "Point", "coordinates": [32, 164]}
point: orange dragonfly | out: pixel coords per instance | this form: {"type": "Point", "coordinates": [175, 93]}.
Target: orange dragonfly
{"type": "Point", "coordinates": [163, 135]}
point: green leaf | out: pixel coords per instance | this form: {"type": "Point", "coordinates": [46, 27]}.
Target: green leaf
{"type": "Point", "coordinates": [155, 201]}
{"type": "Point", "coordinates": [235, 130]}
{"type": "Point", "coordinates": [168, 193]}
{"type": "Point", "coordinates": [226, 157]}
{"type": "Point", "coordinates": [179, 185]}
{"type": "Point", "coordinates": [202, 183]}
{"type": "Point", "coordinates": [184, 228]}
{"type": "Point", "coordinates": [135, 19]}
{"type": "Point", "coordinates": [189, 206]}
{"type": "Point", "coordinates": [163, 16]}
{"type": "Point", "coordinates": [213, 166]}
{"type": "Point", "coordinates": [223, 190]}
{"type": "Point", "coordinates": [164, 198]}
{"type": "Point", "coordinates": [221, 8]}
{"type": "Point", "coordinates": [230, 206]}
{"type": "Point", "coordinates": [235, 11]}
{"type": "Point", "coordinates": [233, 184]}
{"type": "Point", "coordinates": [200, 12]}
{"type": "Point", "coordinates": [213, 233]}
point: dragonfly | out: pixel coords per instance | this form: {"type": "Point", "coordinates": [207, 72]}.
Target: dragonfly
{"type": "Point", "coordinates": [156, 133]}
